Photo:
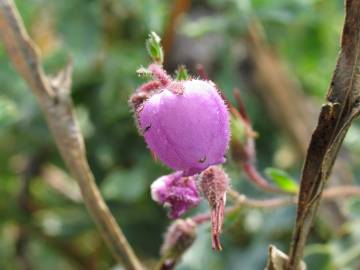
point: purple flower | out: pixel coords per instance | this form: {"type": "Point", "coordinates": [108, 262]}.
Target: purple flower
{"type": "Point", "coordinates": [186, 125]}
{"type": "Point", "coordinates": [177, 192]}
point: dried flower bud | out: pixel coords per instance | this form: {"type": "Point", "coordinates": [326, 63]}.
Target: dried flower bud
{"type": "Point", "coordinates": [178, 238]}
{"type": "Point", "coordinates": [176, 192]}
{"type": "Point", "coordinates": [186, 125]}
{"type": "Point", "coordinates": [214, 183]}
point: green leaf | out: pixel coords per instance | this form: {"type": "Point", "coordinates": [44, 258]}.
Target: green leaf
{"type": "Point", "coordinates": [282, 179]}
{"type": "Point", "coordinates": [182, 73]}
{"type": "Point", "coordinates": [153, 46]}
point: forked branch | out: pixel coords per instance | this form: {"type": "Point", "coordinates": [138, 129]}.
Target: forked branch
{"type": "Point", "coordinates": [53, 95]}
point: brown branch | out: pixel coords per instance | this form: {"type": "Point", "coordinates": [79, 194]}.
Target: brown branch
{"type": "Point", "coordinates": [244, 152]}
{"type": "Point", "coordinates": [279, 91]}
{"type": "Point", "coordinates": [335, 119]}
{"type": "Point", "coordinates": [257, 179]}
{"type": "Point", "coordinates": [58, 180]}
{"type": "Point", "coordinates": [179, 7]}
{"type": "Point", "coordinates": [53, 96]}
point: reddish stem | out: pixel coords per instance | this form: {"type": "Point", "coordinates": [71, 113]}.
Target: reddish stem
{"type": "Point", "coordinates": [202, 73]}
{"type": "Point", "coordinates": [257, 179]}
{"type": "Point", "coordinates": [149, 86]}
{"type": "Point", "coordinates": [160, 74]}
{"type": "Point", "coordinates": [240, 105]}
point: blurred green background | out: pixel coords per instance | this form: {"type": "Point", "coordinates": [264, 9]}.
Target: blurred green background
{"type": "Point", "coordinates": [43, 224]}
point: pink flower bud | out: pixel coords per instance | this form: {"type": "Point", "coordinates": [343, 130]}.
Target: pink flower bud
{"type": "Point", "coordinates": [186, 124]}
{"type": "Point", "coordinates": [178, 238]}
{"type": "Point", "coordinates": [176, 192]}
{"type": "Point", "coordinates": [214, 183]}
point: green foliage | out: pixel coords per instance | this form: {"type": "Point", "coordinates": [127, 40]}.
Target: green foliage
{"type": "Point", "coordinates": [105, 39]}
{"type": "Point", "coordinates": [132, 184]}
{"type": "Point", "coordinates": [8, 112]}
{"type": "Point", "coordinates": [282, 179]}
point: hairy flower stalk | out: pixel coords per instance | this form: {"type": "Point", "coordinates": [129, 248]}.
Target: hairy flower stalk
{"type": "Point", "coordinates": [214, 183]}
{"type": "Point", "coordinates": [176, 192]}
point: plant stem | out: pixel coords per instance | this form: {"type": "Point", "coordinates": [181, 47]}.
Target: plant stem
{"type": "Point", "coordinates": [241, 200]}
{"type": "Point", "coordinates": [335, 118]}
{"type": "Point", "coordinates": [54, 98]}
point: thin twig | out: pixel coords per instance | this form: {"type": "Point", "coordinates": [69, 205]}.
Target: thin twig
{"type": "Point", "coordinates": [256, 178]}
{"type": "Point", "coordinates": [53, 96]}
{"type": "Point", "coordinates": [245, 152]}
{"type": "Point", "coordinates": [241, 200]}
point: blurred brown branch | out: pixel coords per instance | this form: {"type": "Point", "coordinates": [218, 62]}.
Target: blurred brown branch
{"type": "Point", "coordinates": [61, 182]}
{"type": "Point", "coordinates": [289, 108]}
{"type": "Point", "coordinates": [53, 95]}
{"type": "Point", "coordinates": [31, 169]}
{"type": "Point", "coordinates": [179, 8]}
{"type": "Point", "coordinates": [28, 230]}
{"type": "Point", "coordinates": [278, 89]}
{"type": "Point", "coordinates": [335, 118]}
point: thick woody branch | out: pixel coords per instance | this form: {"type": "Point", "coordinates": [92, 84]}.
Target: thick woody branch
{"type": "Point", "coordinates": [335, 119]}
{"type": "Point", "coordinates": [53, 95]}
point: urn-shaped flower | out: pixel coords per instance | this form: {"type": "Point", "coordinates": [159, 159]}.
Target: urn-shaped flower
{"type": "Point", "coordinates": [186, 125]}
